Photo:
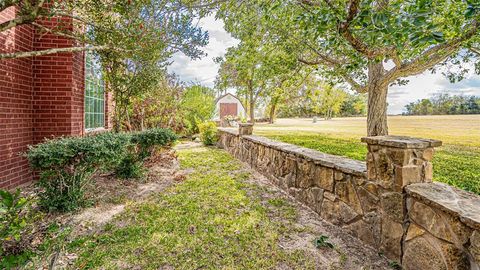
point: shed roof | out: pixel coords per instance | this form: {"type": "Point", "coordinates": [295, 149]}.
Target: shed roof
{"type": "Point", "coordinates": [227, 94]}
{"type": "Point", "coordinates": [220, 97]}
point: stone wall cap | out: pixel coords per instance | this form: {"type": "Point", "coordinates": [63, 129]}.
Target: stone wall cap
{"type": "Point", "coordinates": [401, 141]}
{"type": "Point", "coordinates": [343, 164]}
{"type": "Point", "coordinates": [245, 124]}
{"type": "Point", "coordinates": [460, 203]}
{"type": "Point", "coordinates": [232, 131]}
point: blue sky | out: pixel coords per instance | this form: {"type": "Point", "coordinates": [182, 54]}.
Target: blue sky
{"type": "Point", "coordinates": [203, 71]}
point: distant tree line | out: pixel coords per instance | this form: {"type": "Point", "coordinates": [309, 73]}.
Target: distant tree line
{"type": "Point", "coordinates": [443, 103]}
{"type": "Point", "coordinates": [322, 99]}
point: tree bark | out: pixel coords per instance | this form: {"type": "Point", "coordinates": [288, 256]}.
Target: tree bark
{"type": "Point", "coordinates": [252, 104]}
{"type": "Point", "coordinates": [273, 109]}
{"type": "Point", "coordinates": [272, 113]}
{"type": "Point", "coordinates": [53, 51]}
{"type": "Point", "coordinates": [252, 111]}
{"type": "Point", "coordinates": [377, 101]}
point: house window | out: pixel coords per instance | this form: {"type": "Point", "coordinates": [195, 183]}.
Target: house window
{"type": "Point", "coordinates": [94, 93]}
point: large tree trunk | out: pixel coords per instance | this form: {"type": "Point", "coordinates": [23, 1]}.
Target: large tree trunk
{"type": "Point", "coordinates": [273, 108]}
{"type": "Point", "coordinates": [377, 101]}
{"type": "Point", "coordinates": [252, 106]}
{"type": "Point", "coordinates": [271, 119]}
{"type": "Point", "coordinates": [252, 111]}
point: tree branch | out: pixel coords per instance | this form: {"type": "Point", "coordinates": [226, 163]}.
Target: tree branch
{"type": "Point", "coordinates": [206, 5]}
{"type": "Point", "coordinates": [308, 62]}
{"type": "Point", "coordinates": [355, 85]}
{"type": "Point", "coordinates": [395, 57]}
{"type": "Point", "coordinates": [310, 3]}
{"type": "Point", "coordinates": [16, 22]}
{"type": "Point", "coordinates": [352, 12]}
{"type": "Point", "coordinates": [357, 44]}
{"type": "Point", "coordinates": [475, 50]}
{"type": "Point", "coordinates": [55, 32]}
{"type": "Point", "coordinates": [430, 57]}
{"type": "Point", "coordinates": [53, 51]}
{"type": "Point", "coordinates": [29, 17]}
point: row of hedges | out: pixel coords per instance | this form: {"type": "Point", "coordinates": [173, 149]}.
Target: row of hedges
{"type": "Point", "coordinates": [67, 164]}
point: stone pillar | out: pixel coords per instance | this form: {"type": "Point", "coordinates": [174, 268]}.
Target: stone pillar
{"type": "Point", "coordinates": [393, 162]}
{"type": "Point", "coordinates": [245, 129]}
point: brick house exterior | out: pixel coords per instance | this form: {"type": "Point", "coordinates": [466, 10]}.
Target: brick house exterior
{"type": "Point", "coordinates": [40, 97]}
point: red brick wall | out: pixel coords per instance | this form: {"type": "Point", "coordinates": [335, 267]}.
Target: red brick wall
{"type": "Point", "coordinates": [58, 87]}
{"type": "Point", "coordinates": [78, 94]}
{"type": "Point", "coordinates": [16, 125]}
{"type": "Point", "coordinates": [39, 97]}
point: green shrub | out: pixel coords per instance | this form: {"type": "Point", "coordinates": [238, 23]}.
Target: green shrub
{"type": "Point", "coordinates": [66, 165]}
{"type": "Point", "coordinates": [144, 144]}
{"type": "Point", "coordinates": [130, 167]}
{"type": "Point", "coordinates": [148, 140]}
{"type": "Point", "coordinates": [208, 132]}
{"type": "Point", "coordinates": [63, 191]}
{"type": "Point", "coordinates": [90, 153]}
{"type": "Point", "coordinates": [197, 106]}
{"type": "Point", "coordinates": [15, 220]}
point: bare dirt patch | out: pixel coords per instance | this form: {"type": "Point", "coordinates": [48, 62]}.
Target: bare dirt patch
{"type": "Point", "coordinates": [111, 194]}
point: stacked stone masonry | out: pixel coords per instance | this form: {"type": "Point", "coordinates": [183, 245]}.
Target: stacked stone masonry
{"type": "Point", "coordinates": [389, 202]}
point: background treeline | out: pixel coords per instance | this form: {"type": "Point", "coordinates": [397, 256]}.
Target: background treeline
{"type": "Point", "coordinates": [443, 103]}
{"type": "Point", "coordinates": [326, 102]}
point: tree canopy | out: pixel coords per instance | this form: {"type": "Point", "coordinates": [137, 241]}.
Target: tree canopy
{"type": "Point", "coordinates": [155, 27]}
{"type": "Point", "coordinates": [254, 68]}
{"type": "Point", "coordinates": [369, 44]}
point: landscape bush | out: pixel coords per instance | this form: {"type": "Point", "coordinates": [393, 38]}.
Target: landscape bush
{"type": "Point", "coordinates": [66, 165]}
{"type": "Point", "coordinates": [197, 106]}
{"type": "Point", "coordinates": [70, 153]}
{"type": "Point", "coordinates": [147, 141]}
{"type": "Point", "coordinates": [208, 132]}
{"type": "Point", "coordinates": [130, 167]}
{"type": "Point", "coordinates": [143, 145]}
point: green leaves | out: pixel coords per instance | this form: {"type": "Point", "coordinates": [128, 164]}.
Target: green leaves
{"type": "Point", "coordinates": [322, 242]}
{"type": "Point", "coordinates": [66, 165]}
{"type": "Point", "coordinates": [473, 9]}
{"type": "Point", "coordinates": [311, 32]}
{"type": "Point", "coordinates": [15, 218]}
{"type": "Point", "coordinates": [208, 132]}
{"type": "Point", "coordinates": [197, 105]}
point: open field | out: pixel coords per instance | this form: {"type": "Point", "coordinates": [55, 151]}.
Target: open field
{"type": "Point", "coordinates": [457, 162]}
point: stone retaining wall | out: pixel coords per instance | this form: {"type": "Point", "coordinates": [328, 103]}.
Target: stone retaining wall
{"type": "Point", "coordinates": [387, 202]}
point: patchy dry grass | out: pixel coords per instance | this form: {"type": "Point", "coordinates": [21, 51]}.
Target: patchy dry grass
{"type": "Point", "coordinates": [456, 163]}
{"type": "Point", "coordinates": [206, 222]}
{"type": "Point", "coordinates": [222, 215]}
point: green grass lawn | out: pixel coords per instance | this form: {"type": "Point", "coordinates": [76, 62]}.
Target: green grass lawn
{"type": "Point", "coordinates": [209, 221]}
{"type": "Point", "coordinates": [457, 165]}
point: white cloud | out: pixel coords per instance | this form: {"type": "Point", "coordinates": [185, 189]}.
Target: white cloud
{"type": "Point", "coordinates": [204, 70]}
{"type": "Point", "coordinates": [421, 86]}
{"type": "Point", "coordinates": [425, 85]}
